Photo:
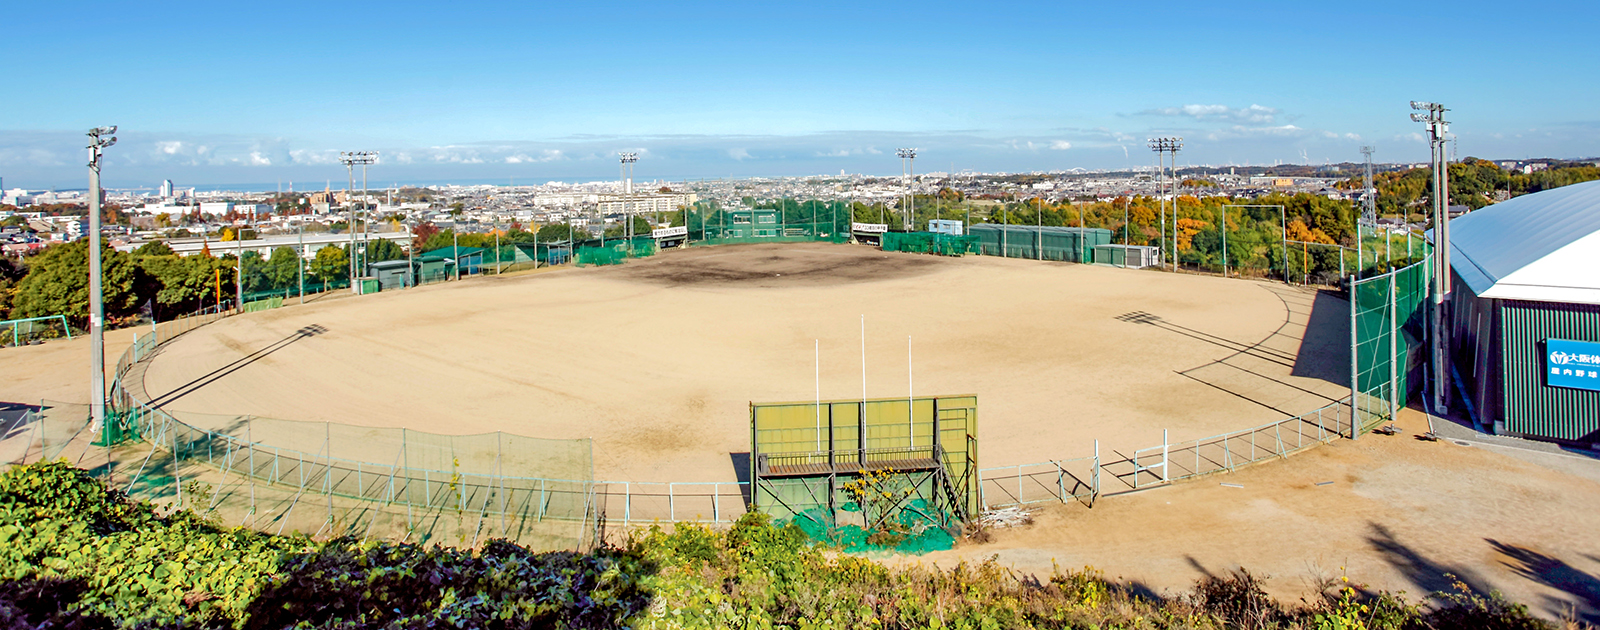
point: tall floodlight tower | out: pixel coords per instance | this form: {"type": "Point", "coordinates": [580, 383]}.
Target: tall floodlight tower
{"type": "Point", "coordinates": [627, 159]}
{"type": "Point", "coordinates": [1167, 147]}
{"type": "Point", "coordinates": [99, 139]}
{"type": "Point", "coordinates": [350, 160]}
{"type": "Point", "coordinates": [366, 211]}
{"type": "Point", "coordinates": [1432, 115]}
{"type": "Point", "coordinates": [908, 158]}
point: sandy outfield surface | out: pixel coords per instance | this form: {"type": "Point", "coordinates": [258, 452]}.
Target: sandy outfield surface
{"type": "Point", "coordinates": [657, 360]}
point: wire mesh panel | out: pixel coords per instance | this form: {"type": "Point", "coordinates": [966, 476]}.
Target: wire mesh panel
{"type": "Point", "coordinates": [1039, 243]}
{"type": "Point", "coordinates": [929, 243]}
{"type": "Point", "coordinates": [1387, 323]}
{"type": "Point", "coordinates": [802, 453]}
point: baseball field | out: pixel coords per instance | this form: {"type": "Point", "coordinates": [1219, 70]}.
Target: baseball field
{"type": "Point", "coordinates": [657, 360]}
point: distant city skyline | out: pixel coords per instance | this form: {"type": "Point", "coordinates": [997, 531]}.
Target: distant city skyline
{"type": "Point", "coordinates": [208, 94]}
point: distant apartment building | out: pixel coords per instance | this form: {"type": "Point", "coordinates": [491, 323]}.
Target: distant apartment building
{"type": "Point", "coordinates": [16, 197]}
{"type": "Point", "coordinates": [224, 207]}
{"type": "Point", "coordinates": [166, 189]}
{"type": "Point", "coordinates": [639, 203]}
{"type": "Point", "coordinates": [565, 199]}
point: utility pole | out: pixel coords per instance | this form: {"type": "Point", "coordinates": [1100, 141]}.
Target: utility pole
{"type": "Point", "coordinates": [1433, 116]}
{"type": "Point", "coordinates": [908, 158]}
{"type": "Point", "coordinates": [350, 159]}
{"type": "Point", "coordinates": [99, 139]}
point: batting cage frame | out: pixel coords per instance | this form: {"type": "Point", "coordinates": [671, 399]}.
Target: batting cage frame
{"type": "Point", "coordinates": [812, 460]}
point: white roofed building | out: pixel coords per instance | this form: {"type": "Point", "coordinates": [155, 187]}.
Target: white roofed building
{"type": "Point", "coordinates": [1525, 314]}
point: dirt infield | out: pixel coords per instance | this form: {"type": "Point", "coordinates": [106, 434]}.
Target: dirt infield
{"type": "Point", "coordinates": [658, 359]}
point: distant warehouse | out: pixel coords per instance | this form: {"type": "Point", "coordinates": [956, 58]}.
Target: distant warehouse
{"type": "Point", "coordinates": [1525, 314]}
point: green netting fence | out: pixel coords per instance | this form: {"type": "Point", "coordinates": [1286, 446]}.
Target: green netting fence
{"type": "Point", "coordinates": [781, 221]}
{"type": "Point", "coordinates": [1388, 318]}
{"type": "Point", "coordinates": [592, 256]}
{"type": "Point", "coordinates": [929, 243]}
{"type": "Point", "coordinates": [1039, 242]}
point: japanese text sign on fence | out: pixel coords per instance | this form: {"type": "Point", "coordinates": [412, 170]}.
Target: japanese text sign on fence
{"type": "Point", "coordinates": [1573, 364]}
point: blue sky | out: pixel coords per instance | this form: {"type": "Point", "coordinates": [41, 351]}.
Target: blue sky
{"type": "Point", "coordinates": [210, 93]}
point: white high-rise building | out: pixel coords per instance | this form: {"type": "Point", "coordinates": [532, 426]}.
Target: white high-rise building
{"type": "Point", "coordinates": [166, 188]}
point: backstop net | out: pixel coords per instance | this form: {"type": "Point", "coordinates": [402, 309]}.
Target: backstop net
{"type": "Point", "coordinates": [845, 470]}
{"type": "Point", "coordinates": [781, 221]}
{"type": "Point", "coordinates": [929, 243]}
{"type": "Point", "coordinates": [1039, 242]}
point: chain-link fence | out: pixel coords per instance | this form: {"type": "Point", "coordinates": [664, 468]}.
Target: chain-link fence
{"type": "Point", "coordinates": [1039, 242]}
{"type": "Point", "coordinates": [336, 479]}
{"type": "Point", "coordinates": [47, 431]}
{"type": "Point", "coordinates": [1388, 322]}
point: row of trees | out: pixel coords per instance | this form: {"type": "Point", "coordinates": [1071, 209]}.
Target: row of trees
{"type": "Point", "coordinates": [153, 281]}
{"type": "Point", "coordinates": [1474, 183]}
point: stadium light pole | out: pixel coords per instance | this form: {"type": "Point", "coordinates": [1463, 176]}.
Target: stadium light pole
{"type": "Point", "coordinates": [366, 213]}
{"type": "Point", "coordinates": [350, 159]}
{"type": "Point", "coordinates": [627, 159]}
{"type": "Point", "coordinates": [1432, 115]}
{"type": "Point", "coordinates": [99, 139]}
{"type": "Point", "coordinates": [908, 159]}
{"type": "Point", "coordinates": [1167, 147]}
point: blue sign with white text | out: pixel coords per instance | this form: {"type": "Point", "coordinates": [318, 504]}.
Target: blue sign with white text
{"type": "Point", "coordinates": [1573, 364]}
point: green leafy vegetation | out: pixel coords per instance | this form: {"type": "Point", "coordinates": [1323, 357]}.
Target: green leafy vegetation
{"type": "Point", "coordinates": [76, 555]}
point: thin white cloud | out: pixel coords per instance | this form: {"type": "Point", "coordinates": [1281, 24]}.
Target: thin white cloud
{"type": "Point", "coordinates": [739, 154]}
{"type": "Point", "coordinates": [1060, 145]}
{"type": "Point", "coordinates": [1254, 114]}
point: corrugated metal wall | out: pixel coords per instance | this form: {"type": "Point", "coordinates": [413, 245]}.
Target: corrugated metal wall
{"type": "Point", "coordinates": [1531, 407]}
{"type": "Point", "coordinates": [1475, 346]}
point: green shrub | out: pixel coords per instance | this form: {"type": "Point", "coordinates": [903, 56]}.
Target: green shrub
{"type": "Point", "coordinates": [76, 555]}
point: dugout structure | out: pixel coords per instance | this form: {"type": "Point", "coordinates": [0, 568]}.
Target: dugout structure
{"type": "Point", "coordinates": [802, 455]}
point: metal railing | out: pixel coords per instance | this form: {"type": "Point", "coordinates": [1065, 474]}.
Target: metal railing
{"type": "Point", "coordinates": [1080, 479]}
{"type": "Point", "coordinates": [629, 502]}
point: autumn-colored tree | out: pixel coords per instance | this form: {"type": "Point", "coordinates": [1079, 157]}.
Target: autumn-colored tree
{"type": "Point", "coordinates": [1187, 228]}
{"type": "Point", "coordinates": [1298, 231]}
{"type": "Point", "coordinates": [421, 233]}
